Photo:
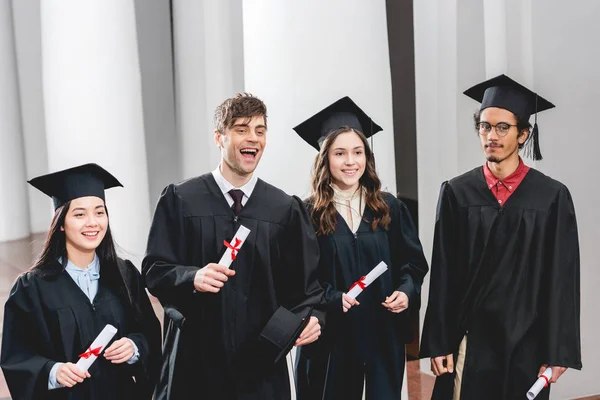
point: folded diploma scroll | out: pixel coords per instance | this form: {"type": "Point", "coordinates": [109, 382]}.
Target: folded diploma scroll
{"type": "Point", "coordinates": [234, 246]}
{"type": "Point", "coordinates": [87, 358]}
{"type": "Point", "coordinates": [541, 383]}
{"type": "Point", "coordinates": [365, 281]}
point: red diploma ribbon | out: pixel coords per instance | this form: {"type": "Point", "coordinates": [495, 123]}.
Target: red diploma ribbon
{"type": "Point", "coordinates": [360, 283]}
{"type": "Point", "coordinates": [235, 248]}
{"type": "Point", "coordinates": [546, 379]}
{"type": "Point", "coordinates": [91, 352]}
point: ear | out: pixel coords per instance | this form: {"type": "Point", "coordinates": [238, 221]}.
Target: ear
{"type": "Point", "coordinates": [62, 228]}
{"type": "Point", "coordinates": [523, 135]}
{"type": "Point", "coordinates": [217, 138]}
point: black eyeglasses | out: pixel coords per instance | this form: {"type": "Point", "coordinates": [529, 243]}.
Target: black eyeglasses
{"type": "Point", "coordinates": [501, 128]}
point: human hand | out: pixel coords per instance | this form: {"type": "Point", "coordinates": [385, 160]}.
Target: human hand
{"type": "Point", "coordinates": [212, 277]}
{"type": "Point", "coordinates": [397, 302]}
{"type": "Point", "coordinates": [69, 375]}
{"type": "Point", "coordinates": [311, 332]}
{"type": "Point", "coordinates": [437, 365]}
{"type": "Point", "coordinates": [556, 372]}
{"type": "Point", "coordinates": [120, 351]}
{"type": "Point", "coordinates": [348, 302]}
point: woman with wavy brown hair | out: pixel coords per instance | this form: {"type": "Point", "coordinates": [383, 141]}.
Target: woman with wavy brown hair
{"type": "Point", "coordinates": [358, 225]}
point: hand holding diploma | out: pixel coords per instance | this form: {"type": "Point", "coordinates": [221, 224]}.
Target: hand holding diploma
{"type": "Point", "coordinates": [556, 372]}
{"type": "Point", "coordinates": [348, 302]}
{"type": "Point", "coordinates": [212, 277]}
{"type": "Point", "coordinates": [69, 375]}
{"type": "Point", "coordinates": [546, 375]}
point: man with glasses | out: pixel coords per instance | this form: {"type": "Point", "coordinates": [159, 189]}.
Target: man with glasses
{"type": "Point", "coordinates": [504, 293]}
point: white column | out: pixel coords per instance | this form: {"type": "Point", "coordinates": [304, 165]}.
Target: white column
{"type": "Point", "coordinates": [208, 44]}
{"type": "Point", "coordinates": [449, 58]}
{"type": "Point", "coordinates": [508, 39]}
{"type": "Point", "coordinates": [92, 96]}
{"type": "Point", "coordinates": [495, 37]}
{"type": "Point", "coordinates": [14, 213]}
{"type": "Point", "coordinates": [153, 18]}
{"type": "Point", "coordinates": [301, 56]}
{"type": "Point", "coordinates": [566, 58]}
{"type": "Point", "coordinates": [28, 40]}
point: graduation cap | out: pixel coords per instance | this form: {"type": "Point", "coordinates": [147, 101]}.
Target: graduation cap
{"type": "Point", "coordinates": [281, 332]}
{"type": "Point", "coordinates": [343, 112]}
{"type": "Point", "coordinates": [83, 180]}
{"type": "Point", "coordinates": [503, 92]}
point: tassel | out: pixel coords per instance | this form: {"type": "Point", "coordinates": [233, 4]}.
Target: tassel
{"type": "Point", "coordinates": [537, 154]}
{"type": "Point", "coordinates": [533, 147]}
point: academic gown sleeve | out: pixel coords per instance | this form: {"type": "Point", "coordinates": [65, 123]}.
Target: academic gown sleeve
{"type": "Point", "coordinates": [440, 328]}
{"type": "Point", "coordinates": [561, 301]}
{"type": "Point", "coordinates": [26, 344]}
{"type": "Point", "coordinates": [146, 333]}
{"type": "Point", "coordinates": [296, 284]}
{"type": "Point", "coordinates": [166, 278]}
{"type": "Point", "coordinates": [409, 265]}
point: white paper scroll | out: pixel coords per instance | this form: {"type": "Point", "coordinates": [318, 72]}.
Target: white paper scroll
{"type": "Point", "coordinates": [365, 281]}
{"type": "Point", "coordinates": [234, 246]}
{"type": "Point", "coordinates": [539, 384]}
{"type": "Point", "coordinates": [96, 348]}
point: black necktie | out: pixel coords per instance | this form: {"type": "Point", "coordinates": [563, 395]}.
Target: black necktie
{"type": "Point", "coordinates": [236, 195]}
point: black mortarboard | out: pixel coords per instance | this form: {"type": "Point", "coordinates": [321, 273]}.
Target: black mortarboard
{"type": "Point", "coordinates": [280, 334]}
{"type": "Point", "coordinates": [503, 92]}
{"type": "Point", "coordinates": [343, 112]}
{"type": "Point", "coordinates": [72, 183]}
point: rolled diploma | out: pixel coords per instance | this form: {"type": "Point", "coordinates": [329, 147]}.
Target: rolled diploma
{"type": "Point", "coordinates": [100, 342]}
{"type": "Point", "coordinates": [238, 240]}
{"type": "Point", "coordinates": [356, 289]}
{"type": "Point", "coordinates": [539, 384]}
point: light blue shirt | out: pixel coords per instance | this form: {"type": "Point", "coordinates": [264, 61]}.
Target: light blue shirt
{"type": "Point", "coordinates": [87, 280]}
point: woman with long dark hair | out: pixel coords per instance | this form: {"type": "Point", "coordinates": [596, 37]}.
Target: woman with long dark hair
{"type": "Point", "coordinates": [358, 226]}
{"type": "Point", "coordinates": [76, 287]}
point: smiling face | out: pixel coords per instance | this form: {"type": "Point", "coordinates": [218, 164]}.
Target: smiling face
{"type": "Point", "coordinates": [242, 145]}
{"type": "Point", "coordinates": [85, 225]}
{"type": "Point", "coordinates": [347, 160]}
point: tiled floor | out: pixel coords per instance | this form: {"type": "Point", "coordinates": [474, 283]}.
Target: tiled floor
{"type": "Point", "coordinates": [17, 256]}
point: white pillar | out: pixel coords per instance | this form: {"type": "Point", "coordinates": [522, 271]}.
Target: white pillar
{"type": "Point", "coordinates": [301, 56]}
{"type": "Point", "coordinates": [449, 58]}
{"type": "Point", "coordinates": [28, 40]}
{"type": "Point", "coordinates": [208, 46]}
{"type": "Point", "coordinates": [508, 39]}
{"type": "Point", "coordinates": [155, 46]}
{"type": "Point", "coordinates": [93, 102]}
{"type": "Point", "coordinates": [14, 213]}
{"type": "Point", "coordinates": [566, 56]}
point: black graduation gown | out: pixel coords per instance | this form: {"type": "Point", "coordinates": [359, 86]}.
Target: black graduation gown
{"type": "Point", "coordinates": [509, 275]}
{"type": "Point", "coordinates": [368, 339]}
{"type": "Point", "coordinates": [210, 338]}
{"type": "Point", "coordinates": [48, 319]}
